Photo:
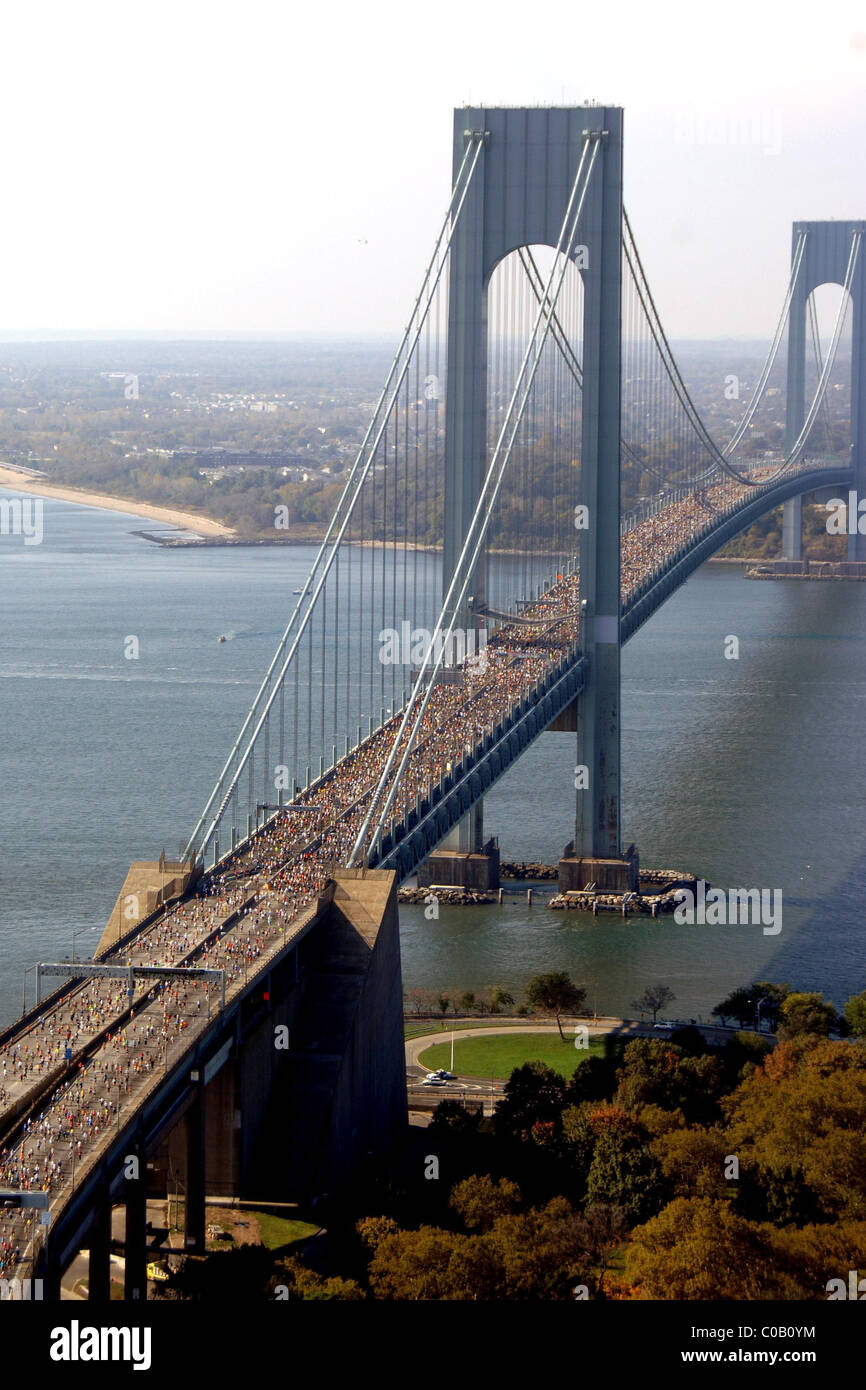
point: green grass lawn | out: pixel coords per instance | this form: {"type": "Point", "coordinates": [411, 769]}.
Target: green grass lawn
{"type": "Point", "coordinates": [278, 1232]}
{"type": "Point", "coordinates": [497, 1057]}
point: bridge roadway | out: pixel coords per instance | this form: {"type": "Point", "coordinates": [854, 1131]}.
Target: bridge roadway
{"type": "Point", "coordinates": [57, 1115]}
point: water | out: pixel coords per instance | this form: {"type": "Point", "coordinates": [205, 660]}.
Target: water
{"type": "Point", "coordinates": [749, 772]}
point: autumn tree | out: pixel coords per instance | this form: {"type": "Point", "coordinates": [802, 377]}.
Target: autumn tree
{"type": "Point", "coordinates": [533, 1093]}
{"type": "Point", "coordinates": [606, 1228]}
{"type": "Point", "coordinates": [594, 1079]}
{"type": "Point", "coordinates": [656, 1072]}
{"type": "Point", "coordinates": [806, 1014]}
{"type": "Point", "coordinates": [693, 1161]}
{"type": "Point", "coordinates": [741, 1054]}
{"type": "Point", "coordinates": [738, 1005]}
{"type": "Point", "coordinates": [623, 1173]}
{"type": "Point", "coordinates": [555, 994]}
{"type": "Point", "coordinates": [479, 1201]}
{"type": "Point", "coordinates": [500, 999]}
{"type": "Point", "coordinates": [798, 1125]}
{"type": "Point", "coordinates": [452, 1119]}
{"type": "Point", "coordinates": [373, 1229]}
{"type": "Point", "coordinates": [522, 1256]}
{"type": "Point", "coordinates": [697, 1248]}
{"type": "Point", "coordinates": [769, 998]}
{"type": "Point", "coordinates": [433, 1264]}
{"type": "Point", "coordinates": [855, 1014]}
{"type": "Point", "coordinates": [293, 1280]}
{"type": "Point", "coordinates": [543, 1253]}
{"type": "Point", "coordinates": [653, 999]}
{"type": "Point", "coordinates": [814, 1254]}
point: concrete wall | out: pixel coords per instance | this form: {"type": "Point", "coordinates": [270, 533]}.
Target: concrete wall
{"type": "Point", "coordinates": [336, 1101]}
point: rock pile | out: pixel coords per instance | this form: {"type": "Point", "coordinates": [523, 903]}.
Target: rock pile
{"type": "Point", "coordinates": [537, 871]}
{"type": "Point", "coordinates": [666, 878]}
{"type": "Point", "coordinates": [454, 897]}
{"type": "Point", "coordinates": [625, 903]}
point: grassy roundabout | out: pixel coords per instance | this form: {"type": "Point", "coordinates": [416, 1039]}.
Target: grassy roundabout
{"type": "Point", "coordinates": [498, 1056]}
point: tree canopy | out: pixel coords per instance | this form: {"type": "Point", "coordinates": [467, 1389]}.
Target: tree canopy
{"type": "Point", "coordinates": [556, 994]}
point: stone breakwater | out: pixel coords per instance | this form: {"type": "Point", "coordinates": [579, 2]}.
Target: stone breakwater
{"type": "Point", "coordinates": [659, 894]}
{"type": "Point", "coordinates": [625, 903]}
{"type": "Point", "coordinates": [454, 897]}
{"type": "Point", "coordinates": [534, 871]}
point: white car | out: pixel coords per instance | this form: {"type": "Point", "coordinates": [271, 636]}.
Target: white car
{"type": "Point", "coordinates": [434, 1081]}
{"type": "Point", "coordinates": [441, 1075]}
{"type": "Point", "coordinates": [666, 1025]}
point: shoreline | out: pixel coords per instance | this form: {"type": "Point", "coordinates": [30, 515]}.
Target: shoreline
{"type": "Point", "coordinates": [216, 532]}
{"type": "Point", "coordinates": [19, 481]}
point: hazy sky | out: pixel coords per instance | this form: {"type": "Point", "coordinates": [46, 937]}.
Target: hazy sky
{"type": "Point", "coordinates": [271, 167]}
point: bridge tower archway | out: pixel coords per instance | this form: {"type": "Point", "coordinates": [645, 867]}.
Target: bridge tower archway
{"type": "Point", "coordinates": [825, 261]}
{"type": "Point", "coordinates": [517, 199]}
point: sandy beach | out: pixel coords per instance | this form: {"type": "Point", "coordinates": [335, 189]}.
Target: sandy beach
{"type": "Point", "coordinates": [38, 487]}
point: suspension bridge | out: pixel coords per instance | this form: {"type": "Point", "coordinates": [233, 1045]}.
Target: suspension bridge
{"type": "Point", "coordinates": [534, 482]}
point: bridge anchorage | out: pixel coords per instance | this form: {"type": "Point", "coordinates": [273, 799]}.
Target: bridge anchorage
{"type": "Point", "coordinates": [535, 431]}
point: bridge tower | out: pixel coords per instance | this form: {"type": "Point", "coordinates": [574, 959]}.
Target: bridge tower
{"type": "Point", "coordinates": [825, 260]}
{"type": "Point", "coordinates": [519, 198]}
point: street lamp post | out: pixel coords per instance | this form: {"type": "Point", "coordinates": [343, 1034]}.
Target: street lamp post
{"type": "Point", "coordinates": [77, 932]}
{"type": "Point", "coordinates": [27, 970]}
{"type": "Point", "coordinates": [761, 1002]}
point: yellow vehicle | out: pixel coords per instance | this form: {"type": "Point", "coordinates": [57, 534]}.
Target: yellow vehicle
{"type": "Point", "coordinates": [158, 1272]}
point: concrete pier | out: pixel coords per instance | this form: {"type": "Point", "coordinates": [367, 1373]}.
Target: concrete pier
{"type": "Point", "coordinates": [455, 869]}
{"type": "Point", "coordinates": [577, 872]}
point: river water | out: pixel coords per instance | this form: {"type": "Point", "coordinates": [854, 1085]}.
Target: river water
{"type": "Point", "coordinates": [748, 771]}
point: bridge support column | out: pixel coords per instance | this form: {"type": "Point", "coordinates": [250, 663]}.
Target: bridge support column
{"type": "Point", "coordinates": [194, 1208]}
{"type": "Point", "coordinates": [598, 835]}
{"type": "Point", "coordinates": [464, 860]}
{"type": "Point", "coordinates": [459, 869]}
{"type": "Point", "coordinates": [467, 837]}
{"type": "Point", "coordinates": [99, 1263]}
{"type": "Point", "coordinates": [135, 1244]}
{"type": "Point", "coordinates": [792, 529]}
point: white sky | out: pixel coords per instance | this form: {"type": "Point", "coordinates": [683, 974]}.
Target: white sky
{"type": "Point", "coordinates": [264, 167]}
